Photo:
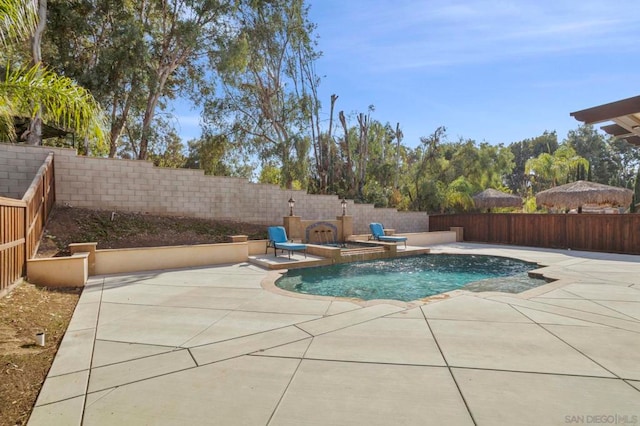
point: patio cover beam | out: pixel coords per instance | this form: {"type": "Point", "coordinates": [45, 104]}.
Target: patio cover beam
{"type": "Point", "coordinates": [625, 115]}
{"type": "Point", "coordinates": [608, 111]}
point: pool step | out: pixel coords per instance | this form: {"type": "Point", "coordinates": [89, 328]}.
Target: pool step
{"type": "Point", "coordinates": [357, 252]}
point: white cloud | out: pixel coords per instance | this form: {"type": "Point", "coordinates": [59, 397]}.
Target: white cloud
{"type": "Point", "coordinates": [386, 36]}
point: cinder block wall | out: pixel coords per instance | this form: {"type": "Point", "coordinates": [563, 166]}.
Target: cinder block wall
{"type": "Point", "coordinates": [138, 186]}
{"type": "Point", "coordinates": [18, 166]}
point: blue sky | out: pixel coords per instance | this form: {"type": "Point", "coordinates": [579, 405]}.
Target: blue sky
{"type": "Point", "coordinates": [494, 71]}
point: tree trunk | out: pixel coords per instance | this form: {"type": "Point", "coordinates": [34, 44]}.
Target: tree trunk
{"type": "Point", "coordinates": [35, 127]}
{"type": "Point", "coordinates": [152, 102]}
{"type": "Point", "coordinates": [117, 123]}
{"type": "Point", "coordinates": [350, 178]}
{"type": "Point", "coordinates": [329, 145]}
{"type": "Point", "coordinates": [363, 149]}
{"type": "Point", "coordinates": [399, 136]}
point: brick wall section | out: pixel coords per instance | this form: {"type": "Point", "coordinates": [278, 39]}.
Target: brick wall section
{"type": "Point", "coordinates": [137, 186]}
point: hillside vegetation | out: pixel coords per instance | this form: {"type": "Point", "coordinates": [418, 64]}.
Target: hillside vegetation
{"type": "Point", "coordinates": [126, 230]}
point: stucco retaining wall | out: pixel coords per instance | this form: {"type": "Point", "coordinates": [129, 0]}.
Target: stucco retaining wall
{"type": "Point", "coordinates": [138, 186]}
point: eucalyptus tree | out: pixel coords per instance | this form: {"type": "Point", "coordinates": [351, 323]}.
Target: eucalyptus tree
{"type": "Point", "coordinates": [137, 55]}
{"type": "Point", "coordinates": [180, 34]}
{"type": "Point", "coordinates": [267, 84]}
{"type": "Point", "coordinates": [33, 91]}
{"type": "Point", "coordinates": [101, 44]}
{"type": "Point", "coordinates": [426, 166]}
{"type": "Point", "coordinates": [212, 153]}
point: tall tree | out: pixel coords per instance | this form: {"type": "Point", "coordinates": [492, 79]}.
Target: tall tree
{"type": "Point", "coordinates": [102, 45]}
{"type": "Point", "coordinates": [181, 32]}
{"type": "Point", "coordinates": [136, 55]}
{"type": "Point", "coordinates": [265, 65]}
{"type": "Point", "coordinates": [422, 189]}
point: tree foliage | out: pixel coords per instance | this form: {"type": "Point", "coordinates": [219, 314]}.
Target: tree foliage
{"type": "Point", "coordinates": [264, 105]}
{"type": "Point", "coordinates": [561, 167]}
{"type": "Point", "coordinates": [36, 91]}
{"type": "Point", "coordinates": [135, 56]}
{"type": "Point", "coordinates": [251, 66]}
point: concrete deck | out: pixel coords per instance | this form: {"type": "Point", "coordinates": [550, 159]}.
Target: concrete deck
{"type": "Point", "coordinates": [212, 346]}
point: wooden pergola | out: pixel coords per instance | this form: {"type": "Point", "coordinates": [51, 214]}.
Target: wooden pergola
{"type": "Point", "coordinates": [624, 114]}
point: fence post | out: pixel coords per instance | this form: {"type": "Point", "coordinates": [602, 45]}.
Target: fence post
{"type": "Point", "coordinates": [25, 234]}
{"type": "Point", "coordinates": [566, 232]}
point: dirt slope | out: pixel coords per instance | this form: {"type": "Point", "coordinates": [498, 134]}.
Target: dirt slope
{"type": "Point", "coordinates": [125, 230]}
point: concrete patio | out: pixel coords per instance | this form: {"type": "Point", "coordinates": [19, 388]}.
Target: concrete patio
{"type": "Point", "coordinates": [213, 346]}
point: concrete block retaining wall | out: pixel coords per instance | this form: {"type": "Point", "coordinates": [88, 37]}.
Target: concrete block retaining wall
{"type": "Point", "coordinates": [138, 186]}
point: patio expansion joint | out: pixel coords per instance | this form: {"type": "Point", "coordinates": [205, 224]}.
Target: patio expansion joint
{"type": "Point", "coordinates": [541, 373]}
{"type": "Point", "coordinates": [249, 335]}
{"type": "Point", "coordinates": [93, 348]}
{"type": "Point", "coordinates": [579, 314]}
{"type": "Point", "coordinates": [106, 393]}
{"type": "Point", "coordinates": [295, 372]}
{"type": "Point", "coordinates": [629, 384]}
{"type": "Point", "coordinates": [475, 321]}
{"type": "Point", "coordinates": [252, 353]}
{"type": "Point", "coordinates": [602, 300]}
{"type": "Point", "coordinates": [143, 379]}
{"type": "Point", "coordinates": [350, 361]}
{"type": "Point", "coordinates": [169, 349]}
{"type": "Point", "coordinates": [306, 332]}
{"type": "Point", "coordinates": [46, 404]}
{"type": "Point", "coordinates": [284, 392]}
{"type": "Point", "coordinates": [578, 350]}
{"type": "Point", "coordinates": [448, 367]}
{"type": "Point", "coordinates": [166, 306]}
{"type": "Point", "coordinates": [563, 316]}
{"type": "Point", "coordinates": [192, 357]}
{"type": "Point", "coordinates": [358, 322]}
{"type": "Point", "coordinates": [597, 302]}
{"type": "Point", "coordinates": [206, 328]}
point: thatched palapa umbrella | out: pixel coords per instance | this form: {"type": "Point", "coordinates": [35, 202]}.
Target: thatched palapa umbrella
{"type": "Point", "coordinates": [577, 194]}
{"type": "Point", "coordinates": [491, 198]}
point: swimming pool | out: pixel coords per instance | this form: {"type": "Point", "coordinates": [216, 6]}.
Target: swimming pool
{"type": "Point", "coordinates": [412, 278]}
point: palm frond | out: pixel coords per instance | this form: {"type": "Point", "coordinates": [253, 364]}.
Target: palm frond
{"type": "Point", "coordinates": [59, 100]}
{"type": "Point", "coordinates": [18, 19]}
{"type": "Point", "coordinates": [7, 130]}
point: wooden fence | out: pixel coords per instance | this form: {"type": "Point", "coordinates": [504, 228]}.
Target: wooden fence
{"type": "Point", "coordinates": [613, 233]}
{"type": "Point", "coordinates": [22, 223]}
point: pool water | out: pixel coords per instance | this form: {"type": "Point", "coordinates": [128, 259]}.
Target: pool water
{"type": "Point", "coordinates": [411, 278]}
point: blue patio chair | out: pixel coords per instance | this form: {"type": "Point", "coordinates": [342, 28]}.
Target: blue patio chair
{"type": "Point", "coordinates": [378, 234]}
{"type": "Point", "coordinates": [278, 240]}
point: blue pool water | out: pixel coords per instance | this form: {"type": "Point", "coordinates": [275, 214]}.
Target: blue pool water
{"type": "Point", "coordinates": [411, 278]}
